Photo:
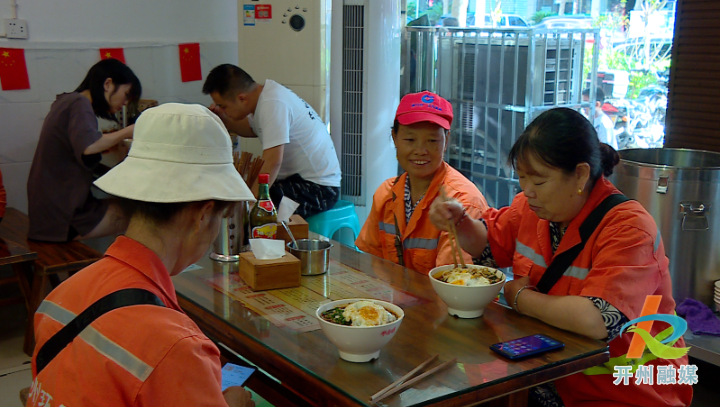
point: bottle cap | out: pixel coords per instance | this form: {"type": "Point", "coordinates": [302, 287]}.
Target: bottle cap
{"type": "Point", "coordinates": [264, 178]}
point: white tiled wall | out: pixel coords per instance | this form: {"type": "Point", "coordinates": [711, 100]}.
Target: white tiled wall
{"type": "Point", "coordinates": [53, 71]}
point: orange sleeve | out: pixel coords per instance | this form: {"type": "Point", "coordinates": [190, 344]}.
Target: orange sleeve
{"type": "Point", "coordinates": [369, 238]}
{"type": "Point", "coordinates": [503, 226]}
{"type": "Point", "coordinates": [189, 375]}
{"type": "Point", "coordinates": [625, 269]}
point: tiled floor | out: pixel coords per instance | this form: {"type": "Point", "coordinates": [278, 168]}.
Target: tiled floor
{"type": "Point", "coordinates": [15, 373]}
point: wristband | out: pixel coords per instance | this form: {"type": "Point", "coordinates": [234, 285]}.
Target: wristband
{"type": "Point", "coordinates": [517, 294]}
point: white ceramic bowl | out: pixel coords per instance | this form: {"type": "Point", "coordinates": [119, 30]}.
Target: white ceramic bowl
{"type": "Point", "coordinates": [465, 302]}
{"type": "Point", "coordinates": [359, 343]}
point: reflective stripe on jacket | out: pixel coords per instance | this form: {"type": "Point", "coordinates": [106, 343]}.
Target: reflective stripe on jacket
{"type": "Point", "coordinates": [623, 262]}
{"type": "Point", "coordinates": [425, 247]}
{"type": "Point", "coordinates": [142, 355]}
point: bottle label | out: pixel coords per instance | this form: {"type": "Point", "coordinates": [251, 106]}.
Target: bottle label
{"type": "Point", "coordinates": [267, 206]}
{"type": "Point", "coordinates": [266, 231]}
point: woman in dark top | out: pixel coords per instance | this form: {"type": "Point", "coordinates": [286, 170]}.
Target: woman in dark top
{"type": "Point", "coordinates": [61, 206]}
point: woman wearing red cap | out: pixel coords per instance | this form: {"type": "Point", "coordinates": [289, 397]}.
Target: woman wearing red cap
{"type": "Point", "coordinates": [398, 227]}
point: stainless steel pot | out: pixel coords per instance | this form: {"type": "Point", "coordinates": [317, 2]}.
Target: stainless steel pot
{"type": "Point", "coordinates": [314, 256]}
{"type": "Point", "coordinates": [681, 190]}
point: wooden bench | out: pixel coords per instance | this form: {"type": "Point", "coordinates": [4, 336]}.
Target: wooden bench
{"type": "Point", "coordinates": [52, 258]}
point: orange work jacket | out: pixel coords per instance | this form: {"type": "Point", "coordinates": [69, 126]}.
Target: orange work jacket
{"type": "Point", "coordinates": [424, 246]}
{"type": "Point", "coordinates": [142, 355]}
{"type": "Point", "coordinates": [623, 262]}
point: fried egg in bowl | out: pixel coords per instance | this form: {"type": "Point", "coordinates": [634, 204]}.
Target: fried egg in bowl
{"type": "Point", "coordinates": [359, 327]}
{"type": "Point", "coordinates": [466, 292]}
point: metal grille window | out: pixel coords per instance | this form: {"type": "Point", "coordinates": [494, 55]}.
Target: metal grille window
{"type": "Point", "coordinates": [352, 102]}
{"type": "Point", "coordinates": [497, 80]}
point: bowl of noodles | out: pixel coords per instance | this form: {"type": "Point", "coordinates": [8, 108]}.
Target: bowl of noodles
{"type": "Point", "coordinates": [467, 291]}
{"type": "Point", "coordinates": [359, 327]}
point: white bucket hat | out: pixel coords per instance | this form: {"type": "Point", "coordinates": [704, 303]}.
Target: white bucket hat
{"type": "Point", "coordinates": [179, 153]}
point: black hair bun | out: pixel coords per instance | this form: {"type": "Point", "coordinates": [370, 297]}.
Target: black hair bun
{"type": "Point", "coordinates": [610, 158]}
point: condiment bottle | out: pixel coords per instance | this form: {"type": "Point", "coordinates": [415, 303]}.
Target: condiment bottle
{"type": "Point", "coordinates": [263, 217]}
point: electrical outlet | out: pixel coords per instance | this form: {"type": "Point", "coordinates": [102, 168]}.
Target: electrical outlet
{"type": "Point", "coordinates": [16, 28]}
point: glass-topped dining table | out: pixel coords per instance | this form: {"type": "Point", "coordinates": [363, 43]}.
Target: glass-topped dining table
{"type": "Point", "coordinates": [276, 330]}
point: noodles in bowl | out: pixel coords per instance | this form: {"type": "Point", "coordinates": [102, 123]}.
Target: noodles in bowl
{"type": "Point", "coordinates": [359, 327]}
{"type": "Point", "coordinates": [466, 291]}
{"type": "Point", "coordinates": [360, 313]}
{"type": "Point", "coordinates": [472, 276]}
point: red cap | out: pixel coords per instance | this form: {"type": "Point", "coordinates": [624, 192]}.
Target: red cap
{"type": "Point", "coordinates": [424, 107]}
{"type": "Point", "coordinates": [264, 178]}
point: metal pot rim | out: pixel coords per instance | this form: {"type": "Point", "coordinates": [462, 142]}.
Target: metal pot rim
{"type": "Point", "coordinates": [288, 245]}
{"type": "Point", "coordinates": [661, 166]}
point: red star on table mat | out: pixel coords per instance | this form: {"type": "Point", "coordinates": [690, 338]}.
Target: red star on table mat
{"type": "Point", "coordinates": [117, 53]}
{"type": "Point", "coordinates": [13, 70]}
{"type": "Point", "coordinates": [190, 62]}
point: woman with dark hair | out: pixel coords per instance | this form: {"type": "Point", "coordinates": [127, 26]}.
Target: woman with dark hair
{"type": "Point", "coordinates": [593, 289]}
{"type": "Point", "coordinates": [61, 206]}
{"type": "Point", "coordinates": [176, 184]}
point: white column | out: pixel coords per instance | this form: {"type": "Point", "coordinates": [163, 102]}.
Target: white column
{"type": "Point", "coordinates": [480, 12]}
{"type": "Point", "coordinates": [595, 8]}
{"type": "Point", "coordinates": [459, 11]}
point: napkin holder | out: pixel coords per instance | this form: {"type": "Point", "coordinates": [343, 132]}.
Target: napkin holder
{"type": "Point", "coordinates": [263, 275]}
{"type": "Point", "coordinates": [298, 226]}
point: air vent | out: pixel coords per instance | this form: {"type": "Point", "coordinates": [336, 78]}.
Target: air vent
{"type": "Point", "coordinates": [352, 103]}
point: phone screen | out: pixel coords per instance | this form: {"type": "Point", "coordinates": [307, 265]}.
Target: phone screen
{"type": "Point", "coordinates": [527, 346]}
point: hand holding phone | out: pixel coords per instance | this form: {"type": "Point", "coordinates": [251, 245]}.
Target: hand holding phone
{"type": "Point", "coordinates": [527, 346]}
{"type": "Point", "coordinates": [234, 375]}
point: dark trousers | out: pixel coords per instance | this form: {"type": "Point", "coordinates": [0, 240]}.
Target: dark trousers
{"type": "Point", "coordinates": [313, 198]}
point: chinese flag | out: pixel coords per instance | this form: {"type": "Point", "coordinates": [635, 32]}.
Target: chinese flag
{"type": "Point", "coordinates": [13, 70]}
{"type": "Point", "coordinates": [117, 53]}
{"type": "Point", "coordinates": [190, 62]}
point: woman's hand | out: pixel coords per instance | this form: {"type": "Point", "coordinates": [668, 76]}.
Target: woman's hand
{"type": "Point", "coordinates": [237, 396]}
{"type": "Point", "coordinates": [512, 287]}
{"type": "Point", "coordinates": [442, 212]}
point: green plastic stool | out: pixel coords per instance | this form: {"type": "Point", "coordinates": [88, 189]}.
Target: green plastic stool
{"type": "Point", "coordinates": [342, 215]}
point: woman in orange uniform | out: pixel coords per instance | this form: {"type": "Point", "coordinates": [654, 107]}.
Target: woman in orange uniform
{"type": "Point", "coordinates": [114, 333]}
{"type": "Point", "coordinates": [562, 166]}
{"type": "Point", "coordinates": [398, 227]}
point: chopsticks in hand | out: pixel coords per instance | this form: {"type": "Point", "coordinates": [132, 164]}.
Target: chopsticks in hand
{"type": "Point", "coordinates": [400, 384]}
{"type": "Point", "coordinates": [454, 243]}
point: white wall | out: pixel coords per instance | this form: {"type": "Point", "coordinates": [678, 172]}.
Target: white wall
{"type": "Point", "coordinates": [64, 39]}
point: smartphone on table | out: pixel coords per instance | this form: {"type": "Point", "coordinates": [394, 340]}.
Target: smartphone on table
{"type": "Point", "coordinates": [528, 346]}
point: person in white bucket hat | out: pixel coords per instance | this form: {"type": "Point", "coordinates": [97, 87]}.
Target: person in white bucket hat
{"type": "Point", "coordinates": [176, 184]}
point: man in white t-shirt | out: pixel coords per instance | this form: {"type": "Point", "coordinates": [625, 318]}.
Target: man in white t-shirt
{"type": "Point", "coordinates": [298, 151]}
{"type": "Point", "coordinates": [603, 125]}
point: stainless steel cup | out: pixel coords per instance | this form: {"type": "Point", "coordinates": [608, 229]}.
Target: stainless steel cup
{"type": "Point", "coordinates": [228, 245]}
{"type": "Point", "coordinates": [314, 256]}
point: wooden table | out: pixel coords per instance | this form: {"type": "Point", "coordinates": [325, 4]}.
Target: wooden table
{"type": "Point", "coordinates": [309, 365]}
{"type": "Point", "coordinates": [14, 251]}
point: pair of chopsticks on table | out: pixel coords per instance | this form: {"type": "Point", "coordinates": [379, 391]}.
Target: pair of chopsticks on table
{"type": "Point", "coordinates": [457, 251]}
{"type": "Point", "coordinates": [401, 384]}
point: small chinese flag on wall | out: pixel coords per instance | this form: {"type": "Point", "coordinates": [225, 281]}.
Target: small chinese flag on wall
{"type": "Point", "coordinates": [13, 70]}
{"type": "Point", "coordinates": [117, 53]}
{"type": "Point", "coordinates": [190, 62]}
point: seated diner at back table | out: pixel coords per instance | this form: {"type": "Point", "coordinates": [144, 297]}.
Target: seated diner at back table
{"type": "Point", "coordinates": [398, 227]}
